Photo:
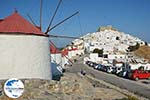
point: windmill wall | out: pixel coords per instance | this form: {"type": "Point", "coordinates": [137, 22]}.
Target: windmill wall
{"type": "Point", "coordinates": [24, 56]}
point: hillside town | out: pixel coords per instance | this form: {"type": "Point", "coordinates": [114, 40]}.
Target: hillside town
{"type": "Point", "coordinates": [106, 64]}
{"type": "Point", "coordinates": [113, 44]}
{"type": "Point", "coordinates": [107, 47]}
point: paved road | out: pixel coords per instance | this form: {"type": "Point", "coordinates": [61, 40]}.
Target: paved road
{"type": "Point", "coordinates": [130, 85]}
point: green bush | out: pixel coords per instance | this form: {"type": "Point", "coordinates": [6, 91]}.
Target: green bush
{"type": "Point", "coordinates": [146, 43]}
{"type": "Point", "coordinates": [132, 98]}
{"type": "Point", "coordinates": [133, 48]}
{"type": "Point", "coordinates": [99, 51]}
{"type": "Point", "coordinates": [129, 98]}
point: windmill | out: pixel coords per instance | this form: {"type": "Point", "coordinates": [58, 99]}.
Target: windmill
{"type": "Point", "coordinates": [50, 27]}
{"type": "Point", "coordinates": [27, 53]}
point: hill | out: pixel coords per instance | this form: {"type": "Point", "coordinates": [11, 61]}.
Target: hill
{"type": "Point", "coordinates": [109, 39]}
{"type": "Point", "coordinates": [144, 52]}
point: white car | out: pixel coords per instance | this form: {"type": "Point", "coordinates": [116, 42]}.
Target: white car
{"type": "Point", "coordinates": [109, 69]}
{"type": "Point", "coordinates": [118, 70]}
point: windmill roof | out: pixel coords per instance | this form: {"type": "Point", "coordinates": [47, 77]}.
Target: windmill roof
{"type": "Point", "coordinates": [15, 23]}
{"type": "Point", "coordinates": [1, 20]}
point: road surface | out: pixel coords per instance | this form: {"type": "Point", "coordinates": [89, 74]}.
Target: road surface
{"type": "Point", "coordinates": [130, 85]}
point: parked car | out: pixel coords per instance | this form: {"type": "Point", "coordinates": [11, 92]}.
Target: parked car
{"type": "Point", "coordinates": [109, 69]}
{"type": "Point", "coordinates": [94, 64]}
{"type": "Point", "coordinates": [105, 68]}
{"type": "Point", "coordinates": [139, 74]}
{"type": "Point", "coordinates": [91, 64]}
{"type": "Point", "coordinates": [98, 67]}
{"type": "Point", "coordinates": [114, 70]}
{"type": "Point", "coordinates": [87, 62]}
{"type": "Point", "coordinates": [123, 73]}
{"type": "Point", "coordinates": [118, 70]}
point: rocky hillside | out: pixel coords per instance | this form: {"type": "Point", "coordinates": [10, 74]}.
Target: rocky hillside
{"type": "Point", "coordinates": [144, 52]}
{"type": "Point", "coordinates": [71, 87]}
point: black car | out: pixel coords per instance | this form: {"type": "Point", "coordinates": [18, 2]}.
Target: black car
{"type": "Point", "coordinates": [94, 64]}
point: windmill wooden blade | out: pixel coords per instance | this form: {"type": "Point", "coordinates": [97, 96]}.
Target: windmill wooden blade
{"type": "Point", "coordinates": [61, 22]}
{"type": "Point", "coordinates": [61, 36]}
{"type": "Point", "coordinates": [53, 16]}
{"type": "Point", "coordinates": [41, 3]}
{"type": "Point", "coordinates": [30, 18]}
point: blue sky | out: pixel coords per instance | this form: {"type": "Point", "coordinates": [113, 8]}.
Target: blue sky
{"type": "Point", "coordinates": [130, 16]}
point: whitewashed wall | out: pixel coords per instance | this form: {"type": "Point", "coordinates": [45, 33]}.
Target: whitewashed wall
{"type": "Point", "coordinates": [70, 54]}
{"type": "Point", "coordinates": [24, 56]}
{"type": "Point", "coordinates": [56, 58]}
{"type": "Point", "coordinates": [79, 52]}
{"type": "Point", "coordinates": [64, 61]}
{"type": "Point", "coordinates": [116, 56]}
{"type": "Point", "coordinates": [93, 57]}
{"type": "Point", "coordinates": [134, 66]}
{"type": "Point", "coordinates": [146, 66]}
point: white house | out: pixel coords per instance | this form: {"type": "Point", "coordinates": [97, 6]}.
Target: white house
{"type": "Point", "coordinates": [113, 56]}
